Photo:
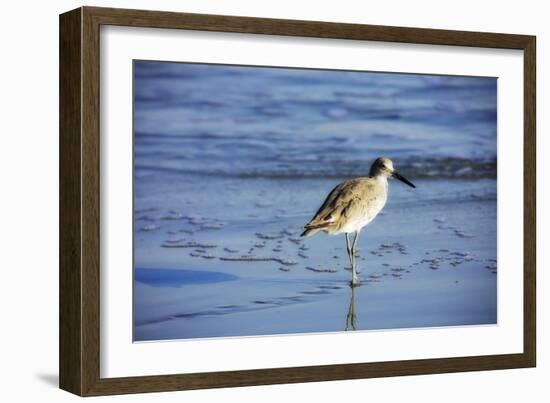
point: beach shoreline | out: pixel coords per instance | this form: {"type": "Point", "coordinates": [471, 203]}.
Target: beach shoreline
{"type": "Point", "coordinates": [428, 260]}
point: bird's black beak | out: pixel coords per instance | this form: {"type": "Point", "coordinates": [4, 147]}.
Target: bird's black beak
{"type": "Point", "coordinates": [397, 175]}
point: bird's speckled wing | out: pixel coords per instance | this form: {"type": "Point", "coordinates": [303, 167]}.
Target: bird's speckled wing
{"type": "Point", "coordinates": [344, 202]}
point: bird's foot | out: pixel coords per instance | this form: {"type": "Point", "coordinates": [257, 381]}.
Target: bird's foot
{"type": "Point", "coordinates": [355, 282]}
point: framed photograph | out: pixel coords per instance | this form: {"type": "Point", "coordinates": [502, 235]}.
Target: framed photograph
{"type": "Point", "coordinates": [249, 201]}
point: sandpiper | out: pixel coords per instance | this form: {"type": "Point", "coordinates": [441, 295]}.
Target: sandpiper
{"type": "Point", "coordinates": [353, 204]}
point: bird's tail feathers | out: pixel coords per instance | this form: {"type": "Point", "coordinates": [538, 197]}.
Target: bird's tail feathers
{"type": "Point", "coordinates": [312, 229]}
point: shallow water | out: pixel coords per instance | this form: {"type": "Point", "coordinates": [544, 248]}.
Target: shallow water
{"type": "Point", "coordinates": [230, 162]}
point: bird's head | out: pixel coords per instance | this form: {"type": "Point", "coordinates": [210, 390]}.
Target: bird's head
{"type": "Point", "coordinates": [383, 166]}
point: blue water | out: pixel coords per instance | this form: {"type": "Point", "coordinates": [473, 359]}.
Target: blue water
{"type": "Point", "coordinates": [177, 278]}
{"type": "Point", "coordinates": [231, 161]}
{"type": "Point", "coordinates": [248, 122]}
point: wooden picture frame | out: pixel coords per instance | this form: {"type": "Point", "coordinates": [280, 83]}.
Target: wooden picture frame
{"type": "Point", "coordinates": [80, 185]}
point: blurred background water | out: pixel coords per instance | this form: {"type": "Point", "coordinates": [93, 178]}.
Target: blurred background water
{"type": "Point", "coordinates": [231, 161]}
{"type": "Point", "coordinates": [276, 122]}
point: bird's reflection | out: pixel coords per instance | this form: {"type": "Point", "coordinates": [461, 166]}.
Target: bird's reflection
{"type": "Point", "coordinates": [351, 319]}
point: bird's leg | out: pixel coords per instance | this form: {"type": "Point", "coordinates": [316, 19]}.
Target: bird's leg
{"type": "Point", "coordinates": [355, 278]}
{"type": "Point", "coordinates": [348, 248]}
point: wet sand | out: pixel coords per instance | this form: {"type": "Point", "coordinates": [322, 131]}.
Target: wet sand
{"type": "Point", "coordinates": [240, 268]}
